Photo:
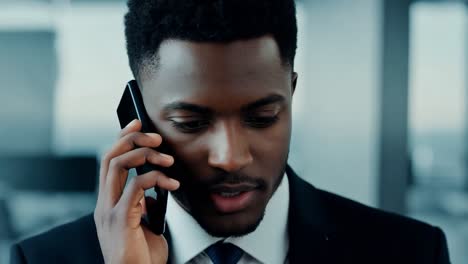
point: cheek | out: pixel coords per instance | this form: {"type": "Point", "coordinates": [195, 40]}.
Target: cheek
{"type": "Point", "coordinates": [189, 150]}
{"type": "Point", "coordinates": [271, 145]}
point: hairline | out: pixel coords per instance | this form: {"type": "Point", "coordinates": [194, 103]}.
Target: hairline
{"type": "Point", "coordinates": [149, 63]}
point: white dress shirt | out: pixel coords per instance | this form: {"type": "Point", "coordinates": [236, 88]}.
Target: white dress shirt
{"type": "Point", "coordinates": [269, 243]}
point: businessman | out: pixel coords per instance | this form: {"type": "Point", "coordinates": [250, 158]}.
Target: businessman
{"type": "Point", "coordinates": [217, 79]}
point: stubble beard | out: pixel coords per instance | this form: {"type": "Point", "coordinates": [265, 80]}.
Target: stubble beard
{"type": "Point", "coordinates": [182, 200]}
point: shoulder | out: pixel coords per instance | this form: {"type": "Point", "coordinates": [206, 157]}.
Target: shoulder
{"type": "Point", "coordinates": [344, 213]}
{"type": "Point", "coordinates": [380, 232]}
{"type": "Point", "coordinates": [356, 214]}
{"type": "Point", "coordinates": [387, 234]}
{"type": "Point", "coordinates": [74, 242]}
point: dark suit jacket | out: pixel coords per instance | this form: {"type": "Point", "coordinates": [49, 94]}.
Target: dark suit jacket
{"type": "Point", "coordinates": [323, 228]}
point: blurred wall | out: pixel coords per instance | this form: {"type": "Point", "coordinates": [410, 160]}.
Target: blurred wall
{"type": "Point", "coordinates": [338, 145]}
{"type": "Point", "coordinates": [27, 87]}
{"type": "Point", "coordinates": [394, 162]}
{"type": "Point", "coordinates": [94, 71]}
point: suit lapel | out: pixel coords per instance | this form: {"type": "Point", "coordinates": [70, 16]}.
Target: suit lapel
{"type": "Point", "coordinates": [312, 233]}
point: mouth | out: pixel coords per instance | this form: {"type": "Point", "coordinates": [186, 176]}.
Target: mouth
{"type": "Point", "coordinates": [230, 198]}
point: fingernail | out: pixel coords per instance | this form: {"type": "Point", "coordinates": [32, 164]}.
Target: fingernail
{"type": "Point", "coordinates": [167, 156]}
{"type": "Point", "coordinates": [174, 181]}
{"type": "Point", "coordinates": [132, 123]}
{"type": "Point", "coordinates": [155, 135]}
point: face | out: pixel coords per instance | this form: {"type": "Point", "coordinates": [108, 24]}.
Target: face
{"type": "Point", "coordinates": [224, 110]}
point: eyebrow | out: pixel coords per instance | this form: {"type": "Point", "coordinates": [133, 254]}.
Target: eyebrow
{"type": "Point", "coordinates": [202, 110]}
{"type": "Point", "coordinates": [271, 99]}
{"type": "Point", "coordinates": [182, 106]}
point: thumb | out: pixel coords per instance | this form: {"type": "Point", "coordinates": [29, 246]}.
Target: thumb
{"type": "Point", "coordinates": [157, 245]}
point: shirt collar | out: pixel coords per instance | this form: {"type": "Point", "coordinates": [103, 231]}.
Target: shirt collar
{"type": "Point", "coordinates": [268, 243]}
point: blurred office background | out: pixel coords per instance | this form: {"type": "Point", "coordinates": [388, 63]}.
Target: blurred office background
{"type": "Point", "coordinates": [379, 114]}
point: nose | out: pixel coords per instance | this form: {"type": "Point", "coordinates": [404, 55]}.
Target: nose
{"type": "Point", "coordinates": [229, 147]}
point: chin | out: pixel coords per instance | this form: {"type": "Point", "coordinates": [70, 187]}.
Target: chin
{"type": "Point", "coordinates": [235, 225]}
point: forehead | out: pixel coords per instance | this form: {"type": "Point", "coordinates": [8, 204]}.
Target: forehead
{"type": "Point", "coordinates": [204, 73]}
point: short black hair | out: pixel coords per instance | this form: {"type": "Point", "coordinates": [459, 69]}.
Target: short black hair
{"type": "Point", "coordinates": [149, 22]}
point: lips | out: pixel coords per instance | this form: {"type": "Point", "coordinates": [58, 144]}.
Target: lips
{"type": "Point", "coordinates": [231, 198]}
{"type": "Point", "coordinates": [232, 188]}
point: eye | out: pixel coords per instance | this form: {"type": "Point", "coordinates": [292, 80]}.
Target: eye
{"type": "Point", "coordinates": [261, 121]}
{"type": "Point", "coordinates": [191, 126]}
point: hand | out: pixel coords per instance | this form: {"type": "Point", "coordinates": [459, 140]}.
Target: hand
{"type": "Point", "coordinates": [118, 212]}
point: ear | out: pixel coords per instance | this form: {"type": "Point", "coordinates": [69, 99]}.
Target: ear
{"type": "Point", "coordinates": [294, 82]}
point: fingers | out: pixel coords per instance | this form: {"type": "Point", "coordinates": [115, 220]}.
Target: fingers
{"type": "Point", "coordinates": [130, 140]}
{"type": "Point", "coordinates": [133, 126]}
{"type": "Point", "coordinates": [118, 211]}
{"type": "Point", "coordinates": [135, 190]}
{"type": "Point", "coordinates": [119, 166]}
{"type": "Point", "coordinates": [143, 205]}
{"type": "Point", "coordinates": [158, 244]}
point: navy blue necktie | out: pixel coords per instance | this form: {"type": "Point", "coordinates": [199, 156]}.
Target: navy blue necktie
{"type": "Point", "coordinates": [224, 253]}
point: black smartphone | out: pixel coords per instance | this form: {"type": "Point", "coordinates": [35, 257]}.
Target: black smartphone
{"type": "Point", "coordinates": [131, 107]}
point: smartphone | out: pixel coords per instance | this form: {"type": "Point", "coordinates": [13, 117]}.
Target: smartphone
{"type": "Point", "coordinates": [131, 107]}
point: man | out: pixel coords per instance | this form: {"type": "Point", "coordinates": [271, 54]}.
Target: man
{"type": "Point", "coordinates": [217, 80]}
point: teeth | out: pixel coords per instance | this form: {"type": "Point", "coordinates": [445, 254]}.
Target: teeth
{"type": "Point", "coordinates": [229, 194]}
